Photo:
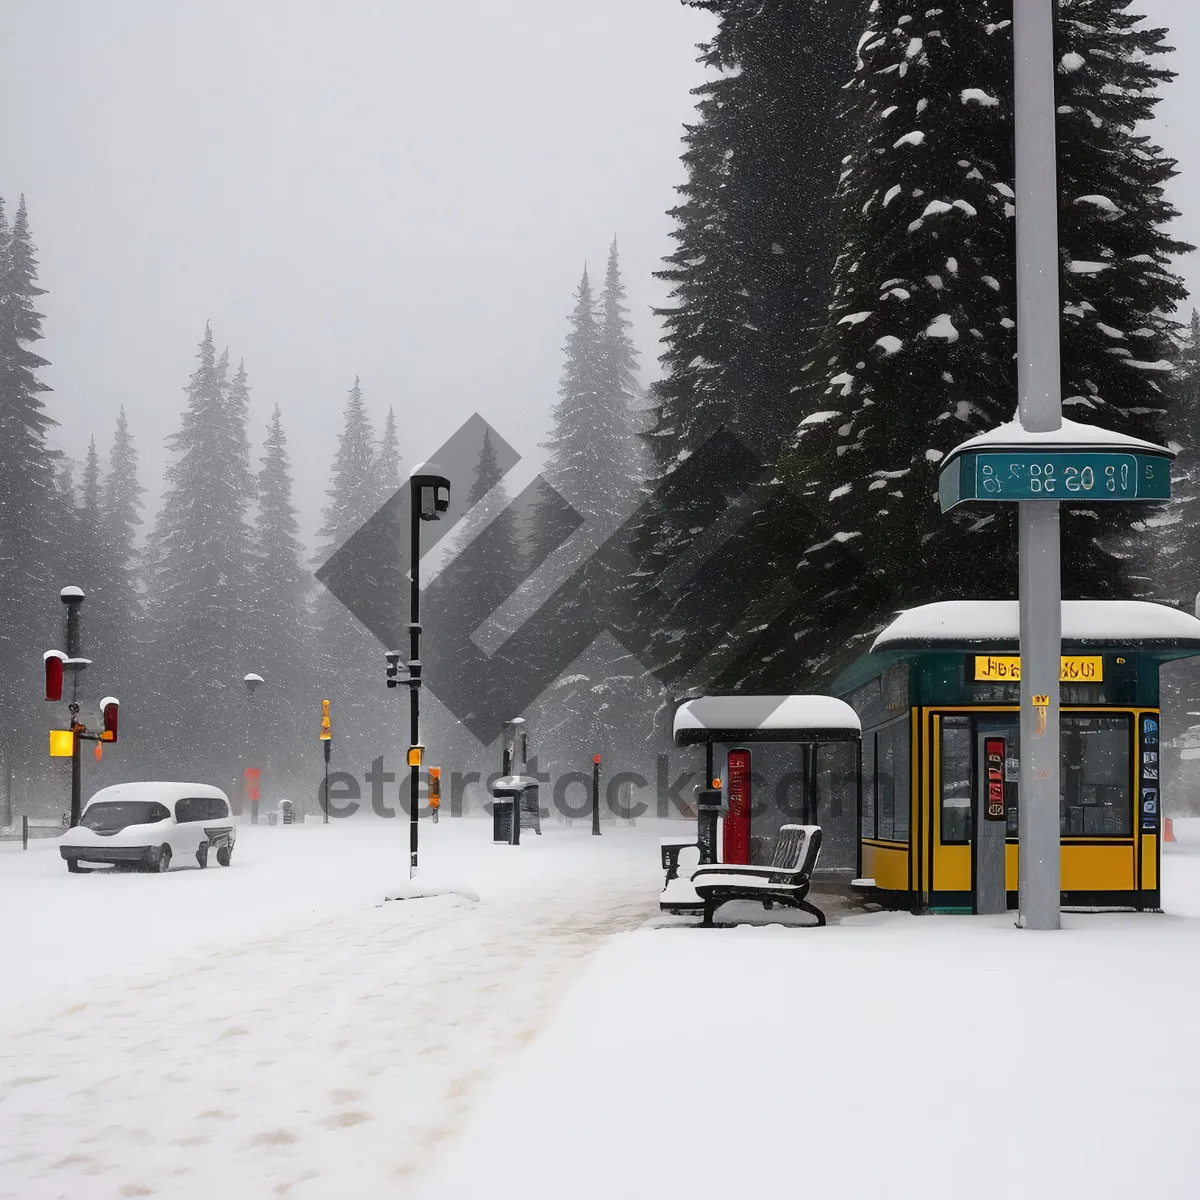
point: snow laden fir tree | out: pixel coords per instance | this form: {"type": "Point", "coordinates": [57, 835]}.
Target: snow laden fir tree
{"type": "Point", "coordinates": [918, 350]}
{"type": "Point", "coordinates": [198, 559]}
{"type": "Point", "coordinates": [749, 281]}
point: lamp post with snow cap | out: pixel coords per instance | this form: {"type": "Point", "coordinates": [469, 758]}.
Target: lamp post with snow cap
{"type": "Point", "coordinates": [250, 775]}
{"type": "Point", "coordinates": [429, 497]}
{"type": "Point", "coordinates": [72, 597]}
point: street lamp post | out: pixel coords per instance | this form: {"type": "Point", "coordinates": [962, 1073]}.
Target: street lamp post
{"type": "Point", "coordinates": [1040, 404]}
{"type": "Point", "coordinates": [253, 682]}
{"type": "Point", "coordinates": [429, 497]}
{"type": "Point", "coordinates": [72, 597]}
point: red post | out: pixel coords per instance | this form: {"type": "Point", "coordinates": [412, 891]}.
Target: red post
{"type": "Point", "coordinates": [735, 844]}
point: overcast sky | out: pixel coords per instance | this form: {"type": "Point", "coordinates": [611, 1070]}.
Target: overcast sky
{"type": "Point", "coordinates": [399, 190]}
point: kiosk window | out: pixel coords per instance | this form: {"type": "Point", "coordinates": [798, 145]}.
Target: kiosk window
{"type": "Point", "coordinates": [892, 781]}
{"type": "Point", "coordinates": [1095, 780]}
{"type": "Point", "coordinates": [956, 779]}
{"type": "Point", "coordinates": [868, 787]}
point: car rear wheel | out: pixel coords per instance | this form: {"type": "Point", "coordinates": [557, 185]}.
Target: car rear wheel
{"type": "Point", "coordinates": [164, 859]}
{"type": "Point", "coordinates": [224, 855]}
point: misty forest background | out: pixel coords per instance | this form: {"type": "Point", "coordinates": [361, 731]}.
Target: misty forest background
{"type": "Point", "coordinates": [843, 305]}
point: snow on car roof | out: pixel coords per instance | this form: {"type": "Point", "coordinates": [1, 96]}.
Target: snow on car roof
{"type": "Point", "coordinates": [765, 719]}
{"type": "Point", "coordinates": [1072, 435]}
{"type": "Point", "coordinates": [995, 622]}
{"type": "Point", "coordinates": [167, 793]}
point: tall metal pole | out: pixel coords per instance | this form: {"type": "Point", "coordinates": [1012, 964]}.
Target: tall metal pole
{"type": "Point", "coordinates": [414, 669]}
{"type": "Point", "coordinates": [73, 599]}
{"type": "Point", "coordinates": [1040, 401]}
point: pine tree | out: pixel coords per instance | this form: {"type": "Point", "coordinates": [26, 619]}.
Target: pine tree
{"type": "Point", "coordinates": [353, 493]}
{"type": "Point", "coordinates": [27, 493]}
{"type": "Point", "coordinates": [918, 348]}
{"type": "Point", "coordinates": [348, 659]}
{"type": "Point", "coordinates": [1119, 291]}
{"type": "Point", "coordinates": [89, 569]}
{"type": "Point", "coordinates": [749, 283]}
{"type": "Point", "coordinates": [588, 459]}
{"type": "Point", "coordinates": [200, 556]}
{"type": "Point", "coordinates": [754, 231]}
{"type": "Point", "coordinates": [596, 462]}
{"type": "Point", "coordinates": [122, 649]}
{"type": "Point", "coordinates": [1175, 531]}
{"type": "Point", "coordinates": [278, 617]}
{"type": "Point", "coordinates": [917, 354]}
{"type": "Point", "coordinates": [388, 458]}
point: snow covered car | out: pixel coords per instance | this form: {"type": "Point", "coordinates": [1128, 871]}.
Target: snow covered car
{"type": "Point", "coordinates": [150, 825]}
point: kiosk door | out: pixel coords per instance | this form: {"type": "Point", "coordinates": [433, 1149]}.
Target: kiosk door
{"type": "Point", "coordinates": [995, 770]}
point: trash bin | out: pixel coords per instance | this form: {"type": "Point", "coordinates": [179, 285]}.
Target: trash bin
{"type": "Point", "coordinates": [513, 796]}
{"type": "Point", "coordinates": [503, 806]}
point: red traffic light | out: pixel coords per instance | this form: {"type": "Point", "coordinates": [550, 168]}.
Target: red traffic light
{"type": "Point", "coordinates": [54, 673]}
{"type": "Point", "coordinates": [596, 759]}
{"type": "Point", "coordinates": [109, 707]}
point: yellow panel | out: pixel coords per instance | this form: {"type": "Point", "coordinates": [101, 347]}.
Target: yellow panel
{"type": "Point", "coordinates": [1150, 862]}
{"type": "Point", "coordinates": [952, 870]}
{"type": "Point", "coordinates": [1073, 668]}
{"type": "Point", "coordinates": [1098, 868]}
{"type": "Point", "coordinates": [1012, 866]}
{"type": "Point", "coordinates": [887, 866]}
{"type": "Point", "coordinates": [62, 743]}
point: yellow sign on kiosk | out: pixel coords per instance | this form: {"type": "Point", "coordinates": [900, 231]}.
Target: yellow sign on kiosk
{"type": "Point", "coordinates": [1006, 668]}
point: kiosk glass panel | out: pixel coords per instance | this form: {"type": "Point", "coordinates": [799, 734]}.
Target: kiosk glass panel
{"type": "Point", "coordinates": [869, 829]}
{"type": "Point", "coordinates": [1095, 777]}
{"type": "Point", "coordinates": [956, 780]}
{"type": "Point", "coordinates": [892, 783]}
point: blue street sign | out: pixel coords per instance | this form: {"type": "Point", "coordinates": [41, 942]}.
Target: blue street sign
{"type": "Point", "coordinates": [1014, 475]}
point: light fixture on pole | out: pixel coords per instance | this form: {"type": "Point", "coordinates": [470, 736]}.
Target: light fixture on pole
{"type": "Point", "coordinates": [429, 497]}
{"type": "Point", "coordinates": [250, 775]}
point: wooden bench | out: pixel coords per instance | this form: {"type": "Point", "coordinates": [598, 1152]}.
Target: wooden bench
{"type": "Point", "coordinates": [784, 881]}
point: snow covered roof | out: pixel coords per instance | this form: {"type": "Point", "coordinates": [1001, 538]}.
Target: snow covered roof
{"type": "Point", "coordinates": [765, 719]}
{"type": "Point", "coordinates": [996, 623]}
{"type": "Point", "coordinates": [1072, 435]}
{"type": "Point", "coordinates": [513, 783]}
{"type": "Point", "coordinates": [165, 793]}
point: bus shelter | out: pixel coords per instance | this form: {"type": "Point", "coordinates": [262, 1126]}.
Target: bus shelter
{"type": "Point", "coordinates": [939, 698]}
{"type": "Point", "coordinates": [737, 814]}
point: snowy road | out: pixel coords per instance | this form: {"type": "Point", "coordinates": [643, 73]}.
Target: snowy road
{"type": "Point", "coordinates": [248, 1045]}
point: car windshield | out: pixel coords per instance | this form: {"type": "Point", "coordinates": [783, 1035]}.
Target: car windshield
{"type": "Point", "coordinates": [111, 815]}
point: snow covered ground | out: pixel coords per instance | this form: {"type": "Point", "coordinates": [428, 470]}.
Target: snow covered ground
{"type": "Point", "coordinates": [888, 1056]}
{"type": "Point", "coordinates": [273, 1030]}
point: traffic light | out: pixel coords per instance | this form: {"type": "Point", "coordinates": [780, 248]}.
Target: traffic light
{"type": "Point", "coordinates": [109, 707]}
{"type": "Point", "coordinates": [326, 733]}
{"type": "Point", "coordinates": [435, 791]}
{"type": "Point", "coordinates": [54, 673]}
{"type": "Point", "coordinates": [393, 668]}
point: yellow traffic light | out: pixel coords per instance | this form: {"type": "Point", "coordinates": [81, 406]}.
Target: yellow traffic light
{"type": "Point", "coordinates": [62, 743]}
{"type": "Point", "coordinates": [326, 732]}
{"type": "Point", "coordinates": [414, 756]}
{"type": "Point", "coordinates": [435, 787]}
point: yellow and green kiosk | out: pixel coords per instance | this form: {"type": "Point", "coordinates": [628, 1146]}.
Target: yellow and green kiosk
{"type": "Point", "coordinates": [938, 695]}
